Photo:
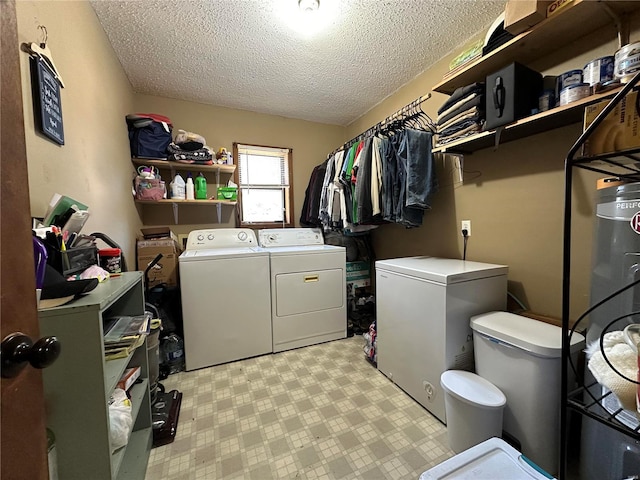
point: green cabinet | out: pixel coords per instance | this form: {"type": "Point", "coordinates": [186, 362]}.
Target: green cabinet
{"type": "Point", "coordinates": [78, 385]}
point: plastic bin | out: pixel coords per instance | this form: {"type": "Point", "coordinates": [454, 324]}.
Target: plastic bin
{"type": "Point", "coordinates": [72, 260]}
{"type": "Point", "coordinates": [473, 407]}
{"type": "Point", "coordinates": [492, 459]}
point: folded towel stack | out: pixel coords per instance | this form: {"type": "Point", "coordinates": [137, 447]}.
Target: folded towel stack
{"type": "Point", "coordinates": [462, 114]}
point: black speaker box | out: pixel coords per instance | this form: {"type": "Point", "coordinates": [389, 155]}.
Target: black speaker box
{"type": "Point", "coordinates": [512, 94]}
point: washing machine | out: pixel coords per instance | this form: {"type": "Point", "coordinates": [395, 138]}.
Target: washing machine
{"type": "Point", "coordinates": [226, 301]}
{"type": "Point", "coordinates": [308, 287]}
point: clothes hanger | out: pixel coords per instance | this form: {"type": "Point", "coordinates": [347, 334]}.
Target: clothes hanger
{"type": "Point", "coordinates": [42, 50]}
{"type": "Point", "coordinates": [431, 125]}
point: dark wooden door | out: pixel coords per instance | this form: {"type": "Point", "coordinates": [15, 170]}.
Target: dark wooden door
{"type": "Point", "coordinates": [23, 446]}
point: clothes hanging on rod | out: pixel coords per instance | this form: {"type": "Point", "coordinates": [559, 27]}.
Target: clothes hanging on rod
{"type": "Point", "coordinates": [312, 197]}
{"type": "Point", "coordinates": [385, 174]}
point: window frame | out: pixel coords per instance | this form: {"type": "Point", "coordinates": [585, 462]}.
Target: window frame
{"type": "Point", "coordinates": [288, 191]}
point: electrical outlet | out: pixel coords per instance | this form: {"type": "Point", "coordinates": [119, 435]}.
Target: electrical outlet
{"type": "Point", "coordinates": [466, 225]}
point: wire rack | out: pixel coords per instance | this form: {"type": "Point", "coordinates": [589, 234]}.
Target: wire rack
{"type": "Point", "coordinates": [592, 399]}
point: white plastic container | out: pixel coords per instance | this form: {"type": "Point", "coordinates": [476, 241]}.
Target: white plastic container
{"type": "Point", "coordinates": [178, 190]}
{"type": "Point", "coordinates": [474, 409]}
{"type": "Point", "coordinates": [493, 459]}
{"type": "Point", "coordinates": [522, 357]}
{"type": "Point", "coordinates": [189, 188]}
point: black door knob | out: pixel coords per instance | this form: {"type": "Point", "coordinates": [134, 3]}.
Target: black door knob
{"type": "Point", "coordinates": [17, 349]}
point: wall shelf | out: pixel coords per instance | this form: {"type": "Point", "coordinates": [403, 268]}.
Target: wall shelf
{"type": "Point", "coordinates": [564, 27]}
{"type": "Point", "coordinates": [538, 123]}
{"type": "Point", "coordinates": [189, 167]}
{"type": "Point", "coordinates": [187, 202]}
{"type": "Point", "coordinates": [175, 167]}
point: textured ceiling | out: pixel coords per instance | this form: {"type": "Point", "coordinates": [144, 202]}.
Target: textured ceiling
{"type": "Point", "coordinates": [247, 54]}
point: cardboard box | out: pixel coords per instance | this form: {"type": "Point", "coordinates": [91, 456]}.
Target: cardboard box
{"type": "Point", "coordinates": [166, 270]}
{"type": "Point", "coordinates": [128, 378]}
{"type": "Point", "coordinates": [556, 6]}
{"type": "Point", "coordinates": [618, 131]}
{"type": "Point", "coordinates": [521, 15]}
{"type": "Point", "coordinates": [158, 232]}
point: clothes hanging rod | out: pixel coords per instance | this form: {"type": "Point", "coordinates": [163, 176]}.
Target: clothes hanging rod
{"type": "Point", "coordinates": [405, 109]}
{"type": "Point", "coordinates": [400, 112]}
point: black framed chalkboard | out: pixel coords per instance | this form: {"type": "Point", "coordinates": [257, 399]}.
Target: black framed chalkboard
{"type": "Point", "coordinates": [47, 106]}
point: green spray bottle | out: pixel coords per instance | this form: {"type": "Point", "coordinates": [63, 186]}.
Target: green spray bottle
{"type": "Point", "coordinates": [201, 187]}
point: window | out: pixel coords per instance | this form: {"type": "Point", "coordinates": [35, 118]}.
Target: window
{"type": "Point", "coordinates": [265, 195]}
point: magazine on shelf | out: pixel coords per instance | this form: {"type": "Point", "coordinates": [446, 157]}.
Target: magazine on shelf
{"type": "Point", "coordinates": [112, 352]}
{"type": "Point", "coordinates": [121, 329]}
{"type": "Point", "coordinates": [122, 335]}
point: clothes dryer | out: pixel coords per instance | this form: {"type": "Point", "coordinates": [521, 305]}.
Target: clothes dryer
{"type": "Point", "coordinates": [226, 303]}
{"type": "Point", "coordinates": [308, 287]}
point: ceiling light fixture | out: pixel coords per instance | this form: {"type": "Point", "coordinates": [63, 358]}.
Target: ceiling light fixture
{"type": "Point", "coordinates": [308, 6]}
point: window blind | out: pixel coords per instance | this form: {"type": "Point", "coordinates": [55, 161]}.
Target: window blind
{"type": "Point", "coordinates": [263, 167]}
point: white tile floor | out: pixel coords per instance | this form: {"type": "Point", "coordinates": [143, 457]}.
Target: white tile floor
{"type": "Point", "coordinates": [320, 412]}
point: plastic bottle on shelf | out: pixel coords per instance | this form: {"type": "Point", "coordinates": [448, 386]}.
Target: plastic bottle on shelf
{"type": "Point", "coordinates": [201, 187]}
{"type": "Point", "coordinates": [189, 187]}
{"type": "Point", "coordinates": [178, 187]}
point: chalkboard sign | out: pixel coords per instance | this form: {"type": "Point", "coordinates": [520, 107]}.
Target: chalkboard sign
{"type": "Point", "coordinates": [47, 106]}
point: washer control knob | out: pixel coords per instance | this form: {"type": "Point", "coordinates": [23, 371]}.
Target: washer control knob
{"type": "Point", "coordinates": [200, 237]}
{"type": "Point", "coordinates": [272, 238]}
{"type": "Point", "coordinates": [210, 236]}
{"type": "Point", "coordinates": [242, 236]}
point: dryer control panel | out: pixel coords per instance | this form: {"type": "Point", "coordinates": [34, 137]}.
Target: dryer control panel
{"type": "Point", "coordinates": [221, 238]}
{"type": "Point", "coordinates": [290, 237]}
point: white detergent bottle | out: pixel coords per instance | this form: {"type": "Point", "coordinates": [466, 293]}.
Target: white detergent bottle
{"type": "Point", "coordinates": [189, 188]}
{"type": "Point", "coordinates": [178, 187]}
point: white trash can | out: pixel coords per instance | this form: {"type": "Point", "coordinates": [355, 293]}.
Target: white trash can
{"type": "Point", "coordinates": [473, 407]}
{"type": "Point", "coordinates": [523, 358]}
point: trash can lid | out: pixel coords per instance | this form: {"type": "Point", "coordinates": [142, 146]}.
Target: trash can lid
{"type": "Point", "coordinates": [536, 337]}
{"type": "Point", "coordinates": [472, 389]}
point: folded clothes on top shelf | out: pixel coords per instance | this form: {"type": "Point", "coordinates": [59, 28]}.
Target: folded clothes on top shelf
{"type": "Point", "coordinates": [459, 93]}
{"type": "Point", "coordinates": [465, 103]}
{"type": "Point", "coordinates": [200, 156]}
{"type": "Point", "coordinates": [474, 113]}
{"type": "Point", "coordinates": [462, 126]}
{"type": "Point", "coordinates": [466, 132]}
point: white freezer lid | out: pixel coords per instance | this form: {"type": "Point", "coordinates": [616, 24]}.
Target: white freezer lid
{"type": "Point", "coordinates": [441, 270]}
{"type": "Point", "coordinates": [220, 253]}
{"type": "Point", "coordinates": [539, 338]}
{"type": "Point", "coordinates": [492, 459]}
{"type": "Point", "coordinates": [304, 249]}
